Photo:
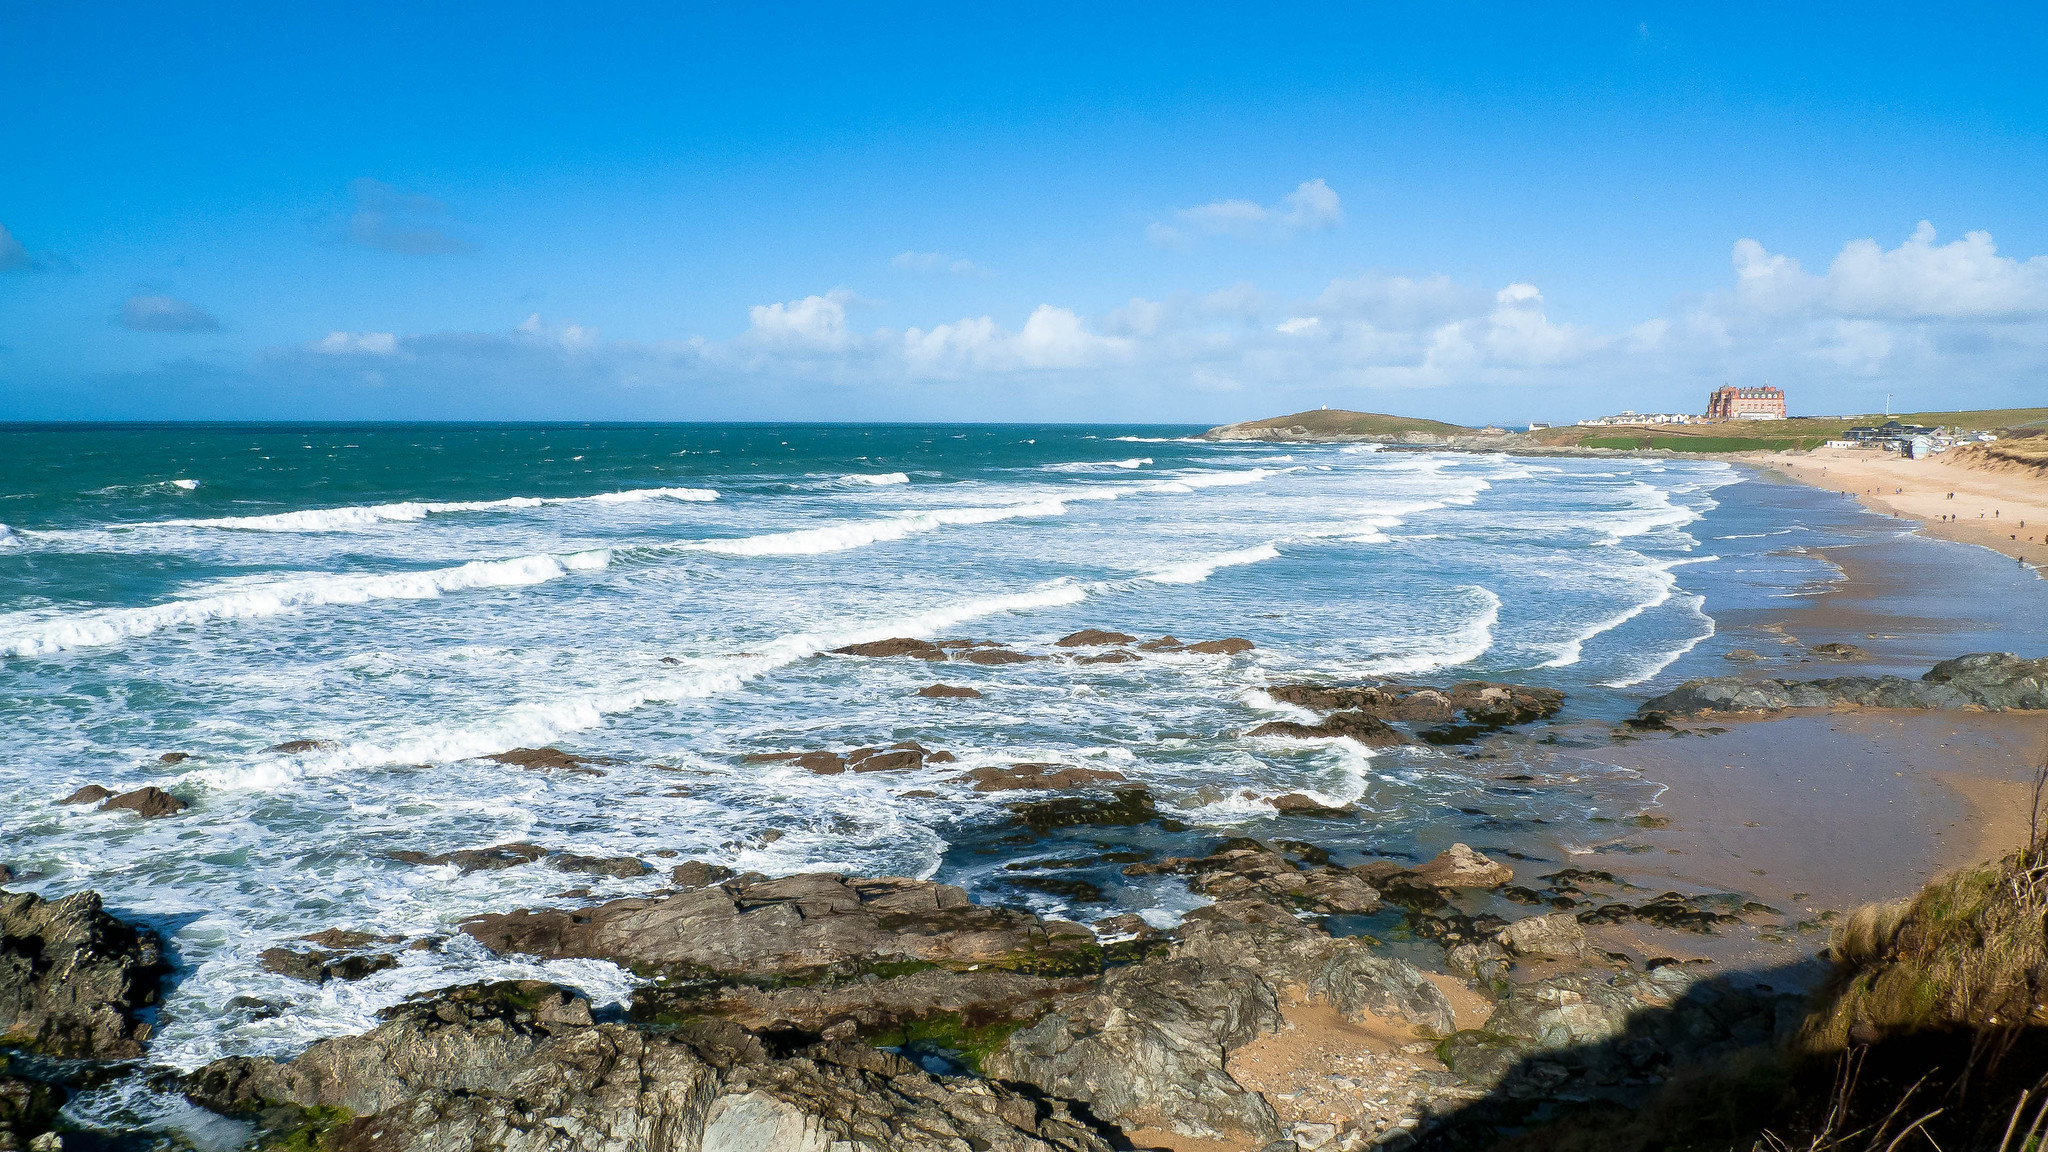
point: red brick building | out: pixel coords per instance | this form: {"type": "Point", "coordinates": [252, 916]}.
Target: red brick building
{"type": "Point", "coordinates": [1731, 403]}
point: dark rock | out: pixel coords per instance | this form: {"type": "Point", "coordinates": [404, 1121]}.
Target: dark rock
{"type": "Point", "coordinates": [1478, 702]}
{"type": "Point", "coordinates": [1069, 888]}
{"type": "Point", "coordinates": [1741, 655]}
{"type": "Point", "coordinates": [896, 646]}
{"type": "Point", "coordinates": [477, 859]}
{"type": "Point", "coordinates": [1127, 807]}
{"type": "Point", "coordinates": [73, 978]}
{"type": "Point", "coordinates": [698, 874]}
{"type": "Point", "coordinates": [796, 925]}
{"type": "Point", "coordinates": [28, 1108]}
{"type": "Point", "coordinates": [1092, 638]}
{"type": "Point", "coordinates": [296, 747]}
{"type": "Point", "coordinates": [522, 1065]}
{"type": "Point", "coordinates": [90, 794]}
{"type": "Point", "coordinates": [1360, 726]}
{"type": "Point", "coordinates": [546, 760]}
{"type": "Point", "coordinates": [1163, 644]}
{"type": "Point", "coordinates": [1296, 804]}
{"type": "Point", "coordinates": [174, 758]}
{"type": "Point", "coordinates": [343, 939]}
{"type": "Point", "coordinates": [902, 756]}
{"type": "Point", "coordinates": [149, 803]}
{"type": "Point", "coordinates": [947, 692]}
{"type": "Point", "coordinates": [1837, 652]}
{"type": "Point", "coordinates": [996, 656]}
{"type": "Point", "coordinates": [1117, 656]}
{"type": "Point", "coordinates": [618, 867]}
{"type": "Point", "coordinates": [1997, 681]}
{"type": "Point", "coordinates": [1037, 777]}
{"type": "Point", "coordinates": [1228, 646]}
{"type": "Point", "coordinates": [318, 966]}
{"type": "Point", "coordinates": [1244, 869]}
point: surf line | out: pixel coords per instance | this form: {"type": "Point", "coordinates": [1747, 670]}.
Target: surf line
{"type": "Point", "coordinates": [536, 723]}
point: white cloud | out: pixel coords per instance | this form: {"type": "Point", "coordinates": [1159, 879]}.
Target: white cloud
{"type": "Point", "coordinates": [814, 322]}
{"type": "Point", "coordinates": [1920, 315]}
{"type": "Point", "coordinates": [356, 344]}
{"type": "Point", "coordinates": [1311, 207]}
{"type": "Point", "coordinates": [931, 262]}
{"type": "Point", "coordinates": [166, 314]}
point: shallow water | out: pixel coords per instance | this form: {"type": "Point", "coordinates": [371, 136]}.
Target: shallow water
{"type": "Point", "coordinates": [418, 596]}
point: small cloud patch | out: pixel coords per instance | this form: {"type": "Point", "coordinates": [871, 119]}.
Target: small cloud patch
{"type": "Point", "coordinates": [165, 314]}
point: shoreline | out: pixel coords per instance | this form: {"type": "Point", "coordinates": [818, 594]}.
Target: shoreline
{"type": "Point", "coordinates": [2003, 508]}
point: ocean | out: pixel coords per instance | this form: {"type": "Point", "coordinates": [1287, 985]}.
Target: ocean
{"type": "Point", "coordinates": [659, 600]}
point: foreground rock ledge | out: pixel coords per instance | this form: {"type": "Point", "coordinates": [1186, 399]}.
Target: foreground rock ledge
{"type": "Point", "coordinates": [753, 928]}
{"type": "Point", "coordinates": [522, 1065]}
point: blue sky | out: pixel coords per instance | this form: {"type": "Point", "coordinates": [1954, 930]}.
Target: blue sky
{"type": "Point", "coordinates": [1173, 213]}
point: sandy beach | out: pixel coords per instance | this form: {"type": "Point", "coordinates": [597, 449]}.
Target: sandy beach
{"type": "Point", "coordinates": [1959, 495]}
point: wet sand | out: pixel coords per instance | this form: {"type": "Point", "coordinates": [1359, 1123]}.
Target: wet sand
{"type": "Point", "coordinates": [1826, 811]}
{"type": "Point", "coordinates": [2002, 507]}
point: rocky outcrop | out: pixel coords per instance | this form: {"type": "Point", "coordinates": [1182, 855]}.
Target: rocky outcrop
{"type": "Point", "coordinates": [1459, 713]}
{"type": "Point", "coordinates": [904, 755]}
{"type": "Point", "coordinates": [1360, 726]}
{"type": "Point", "coordinates": [1038, 777]}
{"type": "Point", "coordinates": [73, 979]}
{"type": "Point", "coordinates": [148, 802]}
{"type": "Point", "coordinates": [948, 692]}
{"type": "Point", "coordinates": [1460, 867]}
{"type": "Point", "coordinates": [1092, 638]}
{"type": "Point", "coordinates": [1126, 807]}
{"type": "Point", "coordinates": [500, 856]}
{"type": "Point", "coordinates": [1146, 1048]}
{"type": "Point", "coordinates": [1243, 868]}
{"type": "Point", "coordinates": [1602, 1032]}
{"type": "Point", "coordinates": [523, 1066]}
{"type": "Point", "coordinates": [752, 928]}
{"type": "Point", "coordinates": [895, 646]}
{"type": "Point", "coordinates": [1996, 681]}
{"type": "Point", "coordinates": [549, 760]}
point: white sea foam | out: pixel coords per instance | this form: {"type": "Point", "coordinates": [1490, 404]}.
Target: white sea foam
{"type": "Point", "coordinates": [1663, 581]}
{"type": "Point", "coordinates": [26, 634]}
{"type": "Point", "coordinates": [1658, 662]}
{"type": "Point", "coordinates": [1096, 465]}
{"type": "Point", "coordinates": [859, 534]}
{"type": "Point", "coordinates": [7, 537]}
{"type": "Point", "coordinates": [876, 479]}
{"type": "Point", "coordinates": [1196, 571]}
{"type": "Point", "coordinates": [538, 723]}
{"type": "Point", "coordinates": [363, 516]}
{"type": "Point", "coordinates": [1470, 641]}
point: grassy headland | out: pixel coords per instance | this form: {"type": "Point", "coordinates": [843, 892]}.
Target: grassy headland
{"type": "Point", "coordinates": [1798, 434]}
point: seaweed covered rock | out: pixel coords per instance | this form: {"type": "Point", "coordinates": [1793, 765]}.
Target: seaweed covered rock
{"type": "Point", "coordinates": [73, 978]}
{"type": "Point", "coordinates": [522, 1065]}
{"type": "Point", "coordinates": [1997, 681]}
{"type": "Point", "coordinates": [758, 929]}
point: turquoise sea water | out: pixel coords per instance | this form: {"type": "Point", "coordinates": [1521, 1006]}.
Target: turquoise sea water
{"type": "Point", "coordinates": [416, 597]}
